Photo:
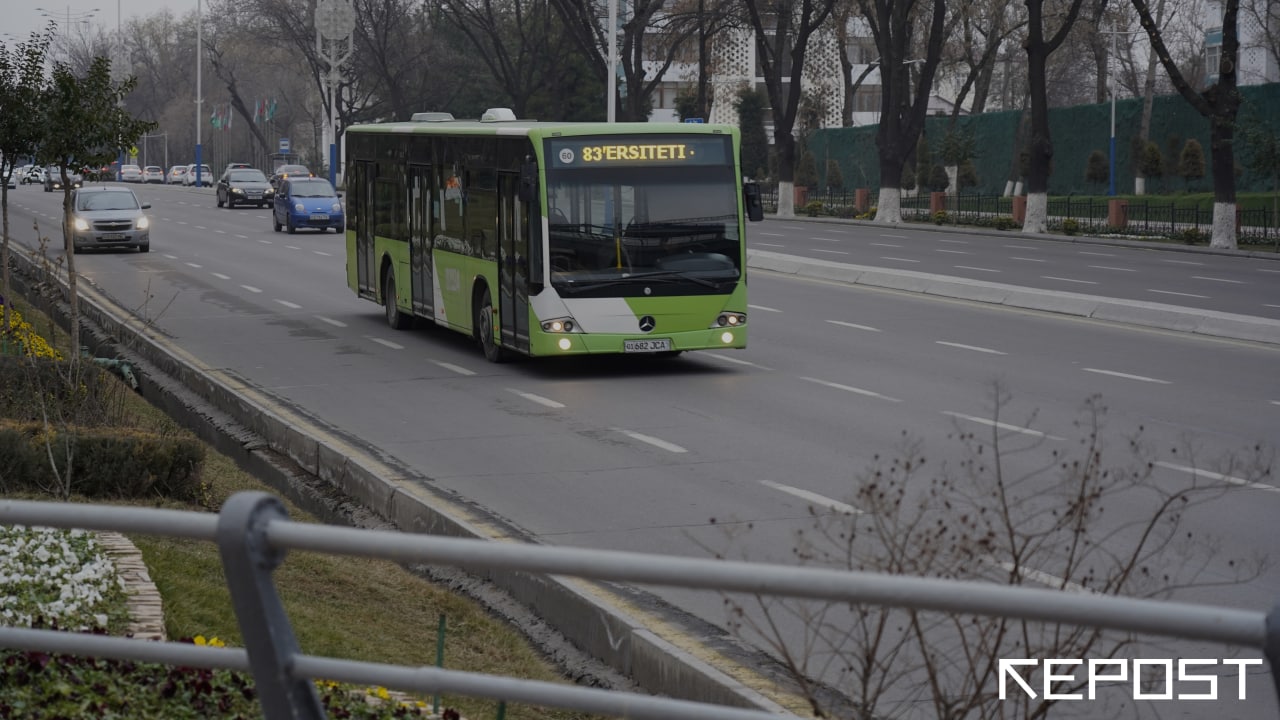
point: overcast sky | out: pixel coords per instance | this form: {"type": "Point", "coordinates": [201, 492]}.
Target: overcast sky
{"type": "Point", "coordinates": [22, 17]}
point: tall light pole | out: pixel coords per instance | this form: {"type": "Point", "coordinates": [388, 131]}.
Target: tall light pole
{"type": "Point", "coordinates": [1115, 34]}
{"type": "Point", "coordinates": [336, 23]}
{"type": "Point", "coordinates": [199, 96]}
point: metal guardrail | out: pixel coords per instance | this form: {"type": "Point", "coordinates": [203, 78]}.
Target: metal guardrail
{"type": "Point", "coordinates": [253, 533]}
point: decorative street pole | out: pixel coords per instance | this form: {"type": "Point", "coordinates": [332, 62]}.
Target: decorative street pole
{"type": "Point", "coordinates": [199, 98]}
{"type": "Point", "coordinates": [335, 23]}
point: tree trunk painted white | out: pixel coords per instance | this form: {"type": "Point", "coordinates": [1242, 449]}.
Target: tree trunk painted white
{"type": "Point", "coordinates": [1224, 226]}
{"type": "Point", "coordinates": [786, 198]}
{"type": "Point", "coordinates": [953, 179]}
{"type": "Point", "coordinates": [1008, 188]}
{"type": "Point", "coordinates": [1017, 188]}
{"type": "Point", "coordinates": [1037, 213]}
{"type": "Point", "coordinates": [1139, 185]}
{"type": "Point", "coordinates": [889, 206]}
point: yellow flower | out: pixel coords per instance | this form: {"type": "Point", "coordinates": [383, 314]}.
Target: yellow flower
{"type": "Point", "coordinates": [199, 640]}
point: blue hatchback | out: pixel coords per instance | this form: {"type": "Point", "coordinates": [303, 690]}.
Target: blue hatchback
{"type": "Point", "coordinates": [307, 202]}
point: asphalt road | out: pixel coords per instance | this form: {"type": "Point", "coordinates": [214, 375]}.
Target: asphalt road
{"type": "Point", "coordinates": [733, 452]}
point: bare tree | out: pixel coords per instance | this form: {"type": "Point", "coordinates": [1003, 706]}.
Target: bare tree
{"type": "Point", "coordinates": [1013, 511]}
{"type": "Point", "coordinates": [984, 28]}
{"type": "Point", "coordinates": [904, 98]}
{"type": "Point", "coordinates": [1219, 103]}
{"type": "Point", "coordinates": [782, 33]}
{"type": "Point", "coordinates": [1040, 148]}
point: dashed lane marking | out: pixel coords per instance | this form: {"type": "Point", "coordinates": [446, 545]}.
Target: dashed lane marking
{"type": "Point", "coordinates": [814, 498]}
{"type": "Point", "coordinates": [331, 321]}
{"type": "Point", "coordinates": [251, 288]}
{"type": "Point", "coordinates": [1003, 426]}
{"type": "Point", "coordinates": [1199, 472]}
{"type": "Point", "coordinates": [850, 388]}
{"type": "Point", "coordinates": [548, 402]}
{"type": "Point", "coordinates": [1062, 279]}
{"type": "Point", "coordinates": [387, 343]}
{"type": "Point", "coordinates": [855, 326]}
{"type": "Point", "coordinates": [974, 348]}
{"type": "Point", "coordinates": [656, 442]}
{"type": "Point", "coordinates": [1128, 376]}
{"type": "Point", "coordinates": [979, 269]}
{"type": "Point", "coordinates": [286, 303]}
{"type": "Point", "coordinates": [453, 368]}
{"type": "Point", "coordinates": [1182, 294]}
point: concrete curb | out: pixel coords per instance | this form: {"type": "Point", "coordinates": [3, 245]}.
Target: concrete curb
{"type": "Point", "coordinates": [1132, 312]}
{"type": "Point", "coordinates": [632, 632]}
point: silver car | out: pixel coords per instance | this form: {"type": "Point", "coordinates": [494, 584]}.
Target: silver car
{"type": "Point", "coordinates": [108, 216]}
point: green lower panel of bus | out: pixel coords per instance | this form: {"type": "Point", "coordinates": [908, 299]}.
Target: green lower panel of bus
{"type": "Point", "coordinates": [551, 344]}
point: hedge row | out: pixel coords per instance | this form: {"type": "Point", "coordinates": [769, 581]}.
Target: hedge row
{"type": "Point", "coordinates": [103, 463]}
{"type": "Point", "coordinates": [82, 394]}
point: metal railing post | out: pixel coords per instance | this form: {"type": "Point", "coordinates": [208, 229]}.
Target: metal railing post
{"type": "Point", "coordinates": [1271, 646]}
{"type": "Point", "coordinates": [248, 562]}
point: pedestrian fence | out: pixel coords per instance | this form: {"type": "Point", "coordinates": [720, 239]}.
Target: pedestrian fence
{"type": "Point", "coordinates": [1146, 218]}
{"type": "Point", "coordinates": [253, 533]}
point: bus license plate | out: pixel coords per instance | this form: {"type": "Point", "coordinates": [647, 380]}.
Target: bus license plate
{"type": "Point", "coordinates": [644, 346]}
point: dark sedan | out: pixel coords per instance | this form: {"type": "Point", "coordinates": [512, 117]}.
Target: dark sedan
{"type": "Point", "coordinates": [244, 186]}
{"type": "Point", "coordinates": [307, 202]}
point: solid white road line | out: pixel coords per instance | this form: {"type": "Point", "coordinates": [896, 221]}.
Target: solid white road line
{"type": "Point", "coordinates": [814, 498]}
{"type": "Point", "coordinates": [1198, 472]}
{"type": "Point", "coordinates": [251, 288]}
{"type": "Point", "coordinates": [537, 398]}
{"type": "Point", "coordinates": [855, 326]}
{"type": "Point", "coordinates": [1003, 426]}
{"type": "Point", "coordinates": [1127, 376]}
{"type": "Point", "coordinates": [736, 361]}
{"type": "Point", "coordinates": [455, 368]}
{"type": "Point", "coordinates": [335, 323]}
{"type": "Point", "coordinates": [1170, 292]}
{"type": "Point", "coordinates": [850, 388]}
{"type": "Point", "coordinates": [656, 442]}
{"type": "Point", "coordinates": [387, 343]}
{"type": "Point", "coordinates": [974, 348]}
{"type": "Point", "coordinates": [288, 304]}
{"type": "Point", "coordinates": [1214, 279]}
{"type": "Point", "coordinates": [1082, 282]}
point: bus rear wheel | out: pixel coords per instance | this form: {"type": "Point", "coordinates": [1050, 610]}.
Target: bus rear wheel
{"type": "Point", "coordinates": [396, 319]}
{"type": "Point", "coordinates": [483, 323]}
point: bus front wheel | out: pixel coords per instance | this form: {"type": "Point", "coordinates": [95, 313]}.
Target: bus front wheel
{"type": "Point", "coordinates": [483, 323]}
{"type": "Point", "coordinates": [396, 319]}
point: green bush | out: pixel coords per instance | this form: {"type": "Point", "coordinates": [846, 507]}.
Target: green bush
{"type": "Point", "coordinates": [941, 218]}
{"type": "Point", "coordinates": [835, 179]}
{"type": "Point", "coordinates": [813, 208]}
{"type": "Point", "coordinates": [101, 463]}
{"type": "Point", "coordinates": [938, 179]}
{"type": "Point", "coordinates": [38, 388]}
{"type": "Point", "coordinates": [1097, 168]}
{"type": "Point", "coordinates": [807, 170]}
{"type": "Point", "coordinates": [1004, 222]}
{"type": "Point", "coordinates": [1070, 226]}
{"type": "Point", "coordinates": [1191, 236]}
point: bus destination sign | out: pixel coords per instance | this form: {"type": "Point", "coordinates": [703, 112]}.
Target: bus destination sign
{"type": "Point", "coordinates": [580, 153]}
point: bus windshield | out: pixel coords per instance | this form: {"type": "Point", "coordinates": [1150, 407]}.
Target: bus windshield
{"type": "Point", "coordinates": [613, 224]}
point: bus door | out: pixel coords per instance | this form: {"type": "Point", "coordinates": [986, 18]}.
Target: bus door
{"type": "Point", "coordinates": [420, 239]}
{"type": "Point", "coordinates": [513, 263]}
{"type": "Point", "coordinates": [363, 175]}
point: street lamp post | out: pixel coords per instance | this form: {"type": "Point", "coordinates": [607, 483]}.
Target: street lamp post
{"type": "Point", "coordinates": [1115, 34]}
{"type": "Point", "coordinates": [336, 23]}
{"type": "Point", "coordinates": [199, 98]}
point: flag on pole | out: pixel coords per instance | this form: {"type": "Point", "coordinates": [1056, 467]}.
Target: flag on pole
{"type": "Point", "coordinates": [271, 111]}
{"type": "Point", "coordinates": [229, 116]}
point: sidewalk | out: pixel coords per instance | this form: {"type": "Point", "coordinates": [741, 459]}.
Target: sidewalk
{"type": "Point", "coordinates": [1133, 312]}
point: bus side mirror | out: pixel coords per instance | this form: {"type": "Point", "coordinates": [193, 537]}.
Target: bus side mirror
{"type": "Point", "coordinates": [755, 206]}
{"type": "Point", "coordinates": [528, 191]}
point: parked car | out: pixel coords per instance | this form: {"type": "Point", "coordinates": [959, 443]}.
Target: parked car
{"type": "Point", "coordinates": [153, 174]}
{"type": "Point", "coordinates": [285, 171]}
{"type": "Point", "coordinates": [53, 178]}
{"type": "Point", "coordinates": [244, 186]}
{"type": "Point", "coordinates": [175, 175]}
{"type": "Point", "coordinates": [130, 173]}
{"type": "Point", "coordinates": [307, 202]}
{"type": "Point", "coordinates": [108, 216]}
{"type": "Point", "coordinates": [206, 175]}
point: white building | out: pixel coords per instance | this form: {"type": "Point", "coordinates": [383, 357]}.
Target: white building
{"type": "Point", "coordinates": [1257, 24]}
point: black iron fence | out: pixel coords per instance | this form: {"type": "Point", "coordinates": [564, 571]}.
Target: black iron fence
{"type": "Point", "coordinates": [1088, 215]}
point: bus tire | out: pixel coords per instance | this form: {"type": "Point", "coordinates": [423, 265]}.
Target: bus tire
{"type": "Point", "coordinates": [483, 323]}
{"type": "Point", "coordinates": [396, 319]}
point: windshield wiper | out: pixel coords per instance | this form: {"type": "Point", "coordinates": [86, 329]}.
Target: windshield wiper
{"type": "Point", "coordinates": [663, 276]}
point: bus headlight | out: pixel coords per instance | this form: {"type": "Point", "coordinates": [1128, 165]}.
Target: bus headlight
{"type": "Point", "coordinates": [560, 325]}
{"type": "Point", "coordinates": [730, 319]}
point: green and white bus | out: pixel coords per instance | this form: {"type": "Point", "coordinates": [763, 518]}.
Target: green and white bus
{"type": "Point", "coordinates": [552, 239]}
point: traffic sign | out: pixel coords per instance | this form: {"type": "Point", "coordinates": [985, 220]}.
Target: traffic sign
{"type": "Point", "coordinates": [284, 145]}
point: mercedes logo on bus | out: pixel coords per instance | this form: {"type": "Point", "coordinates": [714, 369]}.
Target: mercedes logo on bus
{"type": "Point", "coordinates": [647, 323]}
